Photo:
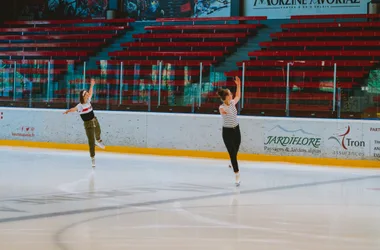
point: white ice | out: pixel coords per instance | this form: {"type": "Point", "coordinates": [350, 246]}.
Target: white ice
{"type": "Point", "coordinates": [53, 200]}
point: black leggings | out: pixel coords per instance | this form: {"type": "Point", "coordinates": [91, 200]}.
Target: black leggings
{"type": "Point", "coordinates": [232, 139]}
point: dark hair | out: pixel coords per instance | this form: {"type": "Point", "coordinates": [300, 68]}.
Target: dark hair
{"type": "Point", "coordinates": [223, 93]}
{"type": "Point", "coordinates": [81, 97]}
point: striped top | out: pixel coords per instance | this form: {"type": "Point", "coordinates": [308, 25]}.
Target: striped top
{"type": "Point", "coordinates": [230, 119]}
{"type": "Point", "coordinates": [85, 110]}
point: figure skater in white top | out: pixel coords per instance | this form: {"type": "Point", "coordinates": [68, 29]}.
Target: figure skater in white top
{"type": "Point", "coordinates": [91, 124]}
{"type": "Point", "coordinates": [231, 130]}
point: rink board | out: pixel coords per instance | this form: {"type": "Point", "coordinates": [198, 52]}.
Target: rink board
{"type": "Point", "coordinates": [196, 135]}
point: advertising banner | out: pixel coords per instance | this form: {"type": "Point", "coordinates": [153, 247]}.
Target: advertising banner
{"type": "Point", "coordinates": [291, 139]}
{"type": "Point", "coordinates": [283, 9]}
{"type": "Point", "coordinates": [317, 138]}
{"type": "Point", "coordinates": [152, 9]}
{"type": "Point", "coordinates": [60, 9]}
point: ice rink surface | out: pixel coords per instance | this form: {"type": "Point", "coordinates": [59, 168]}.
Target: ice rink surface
{"type": "Point", "coordinates": [53, 200]}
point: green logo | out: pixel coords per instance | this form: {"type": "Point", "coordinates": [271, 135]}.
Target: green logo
{"type": "Point", "coordinates": [306, 139]}
{"type": "Point", "coordinates": [293, 141]}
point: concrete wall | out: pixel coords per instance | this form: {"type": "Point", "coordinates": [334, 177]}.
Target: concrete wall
{"type": "Point", "coordinates": [273, 136]}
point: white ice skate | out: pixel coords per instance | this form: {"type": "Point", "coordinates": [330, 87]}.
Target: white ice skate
{"type": "Point", "coordinates": [93, 161]}
{"type": "Point", "coordinates": [237, 179]}
{"type": "Point", "coordinates": [99, 144]}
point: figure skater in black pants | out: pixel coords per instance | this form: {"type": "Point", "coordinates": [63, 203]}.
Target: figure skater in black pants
{"type": "Point", "coordinates": [231, 130]}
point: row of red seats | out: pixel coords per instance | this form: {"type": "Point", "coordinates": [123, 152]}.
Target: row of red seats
{"type": "Point", "coordinates": [156, 62]}
{"type": "Point", "coordinates": [65, 29]}
{"type": "Point", "coordinates": [27, 63]}
{"type": "Point", "coordinates": [183, 36]}
{"type": "Point", "coordinates": [311, 74]}
{"type": "Point", "coordinates": [74, 37]}
{"type": "Point", "coordinates": [113, 81]}
{"type": "Point", "coordinates": [309, 63]}
{"type": "Point", "coordinates": [34, 79]}
{"type": "Point", "coordinates": [311, 44]}
{"type": "Point", "coordinates": [48, 54]}
{"type": "Point", "coordinates": [212, 19]}
{"type": "Point", "coordinates": [125, 21]}
{"type": "Point", "coordinates": [179, 44]}
{"type": "Point", "coordinates": [65, 63]}
{"type": "Point", "coordinates": [326, 26]}
{"type": "Point", "coordinates": [335, 17]}
{"type": "Point", "coordinates": [40, 71]}
{"type": "Point", "coordinates": [132, 72]}
{"type": "Point", "coordinates": [183, 46]}
{"type": "Point", "coordinates": [277, 107]}
{"type": "Point", "coordinates": [292, 95]}
{"type": "Point", "coordinates": [315, 35]}
{"type": "Point", "coordinates": [331, 53]}
{"type": "Point", "coordinates": [52, 45]}
{"type": "Point", "coordinates": [305, 83]}
{"type": "Point", "coordinates": [125, 93]}
{"type": "Point", "coordinates": [167, 53]}
{"type": "Point", "coordinates": [176, 83]}
{"type": "Point", "coordinates": [182, 28]}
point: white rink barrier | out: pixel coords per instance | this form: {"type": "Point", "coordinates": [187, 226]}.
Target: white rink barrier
{"type": "Point", "coordinates": [321, 138]}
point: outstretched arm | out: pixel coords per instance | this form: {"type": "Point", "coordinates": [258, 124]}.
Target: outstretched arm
{"type": "Point", "coordinates": [238, 91]}
{"type": "Point", "coordinates": [75, 109]}
{"type": "Point", "coordinates": [91, 91]}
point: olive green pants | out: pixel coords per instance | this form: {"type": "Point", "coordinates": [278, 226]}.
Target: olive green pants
{"type": "Point", "coordinates": [93, 131]}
